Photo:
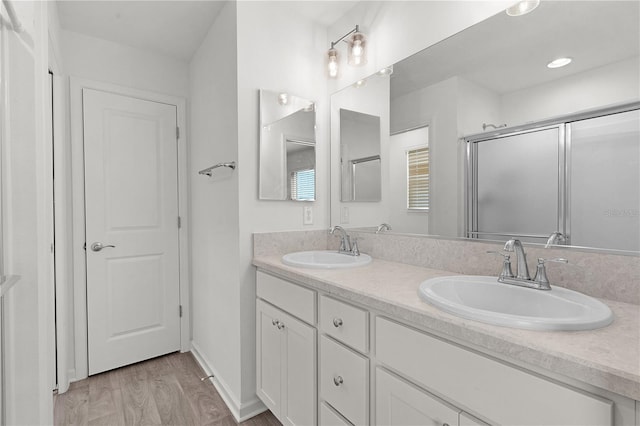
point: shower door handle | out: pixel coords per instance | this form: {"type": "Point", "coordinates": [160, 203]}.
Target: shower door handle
{"type": "Point", "coordinates": [97, 246]}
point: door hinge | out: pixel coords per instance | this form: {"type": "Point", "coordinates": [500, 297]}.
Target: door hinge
{"type": "Point", "coordinates": [180, 310]}
{"type": "Point", "coordinates": [179, 222]}
{"type": "Point", "coordinates": [177, 132]}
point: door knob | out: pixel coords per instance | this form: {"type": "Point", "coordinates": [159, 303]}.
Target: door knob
{"type": "Point", "coordinates": [99, 246]}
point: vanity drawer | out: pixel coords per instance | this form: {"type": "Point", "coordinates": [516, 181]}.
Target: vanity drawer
{"type": "Point", "coordinates": [292, 298]}
{"type": "Point", "coordinates": [345, 323]}
{"type": "Point", "coordinates": [328, 417]}
{"type": "Point", "coordinates": [501, 393]}
{"type": "Point", "coordinates": [344, 380]}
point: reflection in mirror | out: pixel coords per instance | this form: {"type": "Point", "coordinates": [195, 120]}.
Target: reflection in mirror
{"type": "Point", "coordinates": [519, 197]}
{"type": "Point", "coordinates": [603, 202]}
{"type": "Point", "coordinates": [496, 73]}
{"type": "Point", "coordinates": [287, 147]}
{"type": "Point", "coordinates": [409, 172]}
{"type": "Point", "coordinates": [360, 156]}
{"type": "Point", "coordinates": [301, 165]}
{"type": "Point", "coordinates": [565, 182]}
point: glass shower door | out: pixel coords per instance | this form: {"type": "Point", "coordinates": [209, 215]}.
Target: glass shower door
{"type": "Point", "coordinates": [605, 154]}
{"type": "Point", "coordinates": [518, 185]}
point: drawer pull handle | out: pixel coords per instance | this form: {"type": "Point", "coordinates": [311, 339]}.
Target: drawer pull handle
{"type": "Point", "coordinates": [337, 322]}
{"type": "Point", "coordinates": [338, 380]}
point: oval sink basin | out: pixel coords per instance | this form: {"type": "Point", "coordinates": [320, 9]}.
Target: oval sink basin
{"type": "Point", "coordinates": [484, 299]}
{"type": "Point", "coordinates": [325, 259]}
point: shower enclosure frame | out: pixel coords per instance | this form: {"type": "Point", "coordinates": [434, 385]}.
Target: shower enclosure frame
{"type": "Point", "coordinates": [563, 124]}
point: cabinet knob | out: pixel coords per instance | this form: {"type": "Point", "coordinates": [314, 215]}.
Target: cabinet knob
{"type": "Point", "coordinates": [338, 380]}
{"type": "Point", "coordinates": [274, 322]}
{"type": "Point", "coordinates": [280, 325]}
{"type": "Point", "coordinates": [337, 322]}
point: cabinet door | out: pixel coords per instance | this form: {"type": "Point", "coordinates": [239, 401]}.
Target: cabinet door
{"type": "Point", "coordinates": [400, 403]}
{"type": "Point", "coordinates": [286, 365]}
{"type": "Point", "coordinates": [468, 420]}
{"type": "Point", "coordinates": [268, 356]}
{"type": "Point", "coordinates": [299, 372]}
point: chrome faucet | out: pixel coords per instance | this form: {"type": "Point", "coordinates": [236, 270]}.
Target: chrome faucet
{"type": "Point", "coordinates": [556, 237]}
{"type": "Point", "coordinates": [514, 245]}
{"type": "Point", "coordinates": [540, 282]}
{"type": "Point", "coordinates": [346, 246]}
{"type": "Point", "coordinates": [383, 227]}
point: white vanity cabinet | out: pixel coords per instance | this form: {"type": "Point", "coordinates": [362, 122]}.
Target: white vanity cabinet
{"type": "Point", "coordinates": [323, 360]}
{"type": "Point", "coordinates": [286, 350]}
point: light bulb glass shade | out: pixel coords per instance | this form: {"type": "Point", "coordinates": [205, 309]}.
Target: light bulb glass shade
{"type": "Point", "coordinates": [522, 7]}
{"type": "Point", "coordinates": [357, 50]}
{"type": "Point", "coordinates": [332, 63]}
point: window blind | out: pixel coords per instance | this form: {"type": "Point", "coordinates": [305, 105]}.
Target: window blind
{"type": "Point", "coordinates": [303, 184]}
{"type": "Point", "coordinates": [418, 179]}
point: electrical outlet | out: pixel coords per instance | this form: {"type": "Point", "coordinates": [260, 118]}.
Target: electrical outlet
{"type": "Point", "coordinates": [307, 215]}
{"type": "Point", "coordinates": [344, 215]}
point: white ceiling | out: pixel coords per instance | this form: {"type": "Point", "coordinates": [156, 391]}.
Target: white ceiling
{"type": "Point", "coordinates": [174, 28]}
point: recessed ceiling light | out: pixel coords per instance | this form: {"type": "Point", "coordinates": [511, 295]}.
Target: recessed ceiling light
{"type": "Point", "coordinates": [386, 71]}
{"type": "Point", "coordinates": [560, 62]}
{"type": "Point", "coordinates": [522, 7]}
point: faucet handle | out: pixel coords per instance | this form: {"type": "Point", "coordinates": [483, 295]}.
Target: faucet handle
{"type": "Point", "coordinates": [354, 247]}
{"type": "Point", "coordinates": [506, 264]}
{"type": "Point", "coordinates": [506, 256]}
{"type": "Point", "coordinates": [541, 271]}
{"type": "Point", "coordinates": [555, 259]}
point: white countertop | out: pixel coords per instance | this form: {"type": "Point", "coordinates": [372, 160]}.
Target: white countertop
{"type": "Point", "coordinates": [608, 358]}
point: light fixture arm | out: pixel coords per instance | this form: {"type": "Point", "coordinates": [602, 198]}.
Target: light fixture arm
{"type": "Point", "coordinates": [355, 30]}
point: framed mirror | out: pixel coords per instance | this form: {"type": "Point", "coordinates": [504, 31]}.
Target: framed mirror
{"type": "Point", "coordinates": [492, 80]}
{"type": "Point", "coordinates": [287, 147]}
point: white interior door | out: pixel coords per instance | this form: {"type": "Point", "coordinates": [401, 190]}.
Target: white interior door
{"type": "Point", "coordinates": [131, 197]}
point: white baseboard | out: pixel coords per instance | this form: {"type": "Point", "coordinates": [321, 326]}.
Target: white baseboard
{"type": "Point", "coordinates": [71, 376]}
{"type": "Point", "coordinates": [241, 411]}
{"type": "Point", "coordinates": [64, 382]}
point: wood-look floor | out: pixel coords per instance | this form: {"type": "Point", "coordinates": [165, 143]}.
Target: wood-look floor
{"type": "Point", "coordinates": [161, 391]}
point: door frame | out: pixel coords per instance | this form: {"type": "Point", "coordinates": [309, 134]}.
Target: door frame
{"type": "Point", "coordinates": [77, 172]}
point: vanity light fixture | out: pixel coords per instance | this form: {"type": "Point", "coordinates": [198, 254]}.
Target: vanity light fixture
{"type": "Point", "coordinates": [558, 63]}
{"type": "Point", "coordinates": [356, 52]}
{"type": "Point", "coordinates": [522, 7]}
